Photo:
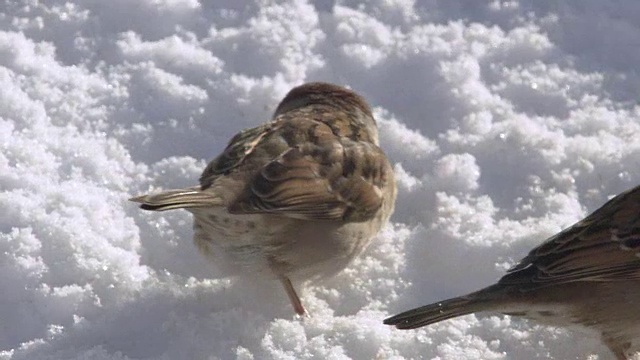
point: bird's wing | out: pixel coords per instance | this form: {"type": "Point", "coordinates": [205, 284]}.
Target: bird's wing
{"type": "Point", "coordinates": [320, 176]}
{"type": "Point", "coordinates": [243, 145]}
{"type": "Point", "coordinates": [605, 246]}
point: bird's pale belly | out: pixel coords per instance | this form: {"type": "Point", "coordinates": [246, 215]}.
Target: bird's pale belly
{"type": "Point", "coordinates": [235, 243]}
{"type": "Point", "coordinates": [275, 245]}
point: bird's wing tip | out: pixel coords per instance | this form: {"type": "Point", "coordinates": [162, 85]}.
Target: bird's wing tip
{"type": "Point", "coordinates": [395, 320]}
{"type": "Point", "coordinates": [138, 199]}
{"type": "Point", "coordinates": [388, 321]}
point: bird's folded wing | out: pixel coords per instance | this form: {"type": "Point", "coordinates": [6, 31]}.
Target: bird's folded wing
{"type": "Point", "coordinates": [605, 246]}
{"type": "Point", "coordinates": [241, 146]}
{"type": "Point", "coordinates": [329, 178]}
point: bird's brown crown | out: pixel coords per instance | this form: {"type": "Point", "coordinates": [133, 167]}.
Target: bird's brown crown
{"type": "Point", "coordinates": [348, 110]}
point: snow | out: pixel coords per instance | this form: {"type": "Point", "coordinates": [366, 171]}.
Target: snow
{"type": "Point", "coordinates": [506, 120]}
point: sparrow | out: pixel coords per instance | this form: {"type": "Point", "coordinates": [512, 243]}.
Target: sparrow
{"type": "Point", "coordinates": [587, 275]}
{"type": "Point", "coordinates": [297, 198]}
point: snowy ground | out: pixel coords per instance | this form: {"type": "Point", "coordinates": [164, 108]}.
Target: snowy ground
{"type": "Point", "coordinates": [507, 121]}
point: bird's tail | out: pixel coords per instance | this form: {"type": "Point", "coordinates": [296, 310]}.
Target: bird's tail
{"type": "Point", "coordinates": [178, 199]}
{"type": "Point", "coordinates": [443, 310]}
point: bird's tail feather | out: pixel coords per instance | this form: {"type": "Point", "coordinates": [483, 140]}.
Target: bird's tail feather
{"type": "Point", "coordinates": [178, 199]}
{"type": "Point", "coordinates": [442, 310]}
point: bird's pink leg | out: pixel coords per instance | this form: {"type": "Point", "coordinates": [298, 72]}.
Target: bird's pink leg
{"type": "Point", "coordinates": [293, 296]}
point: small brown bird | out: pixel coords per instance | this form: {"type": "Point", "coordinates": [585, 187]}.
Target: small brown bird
{"type": "Point", "coordinates": [296, 198]}
{"type": "Point", "coordinates": [587, 275]}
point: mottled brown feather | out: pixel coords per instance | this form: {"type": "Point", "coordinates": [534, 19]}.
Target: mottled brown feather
{"type": "Point", "coordinates": [591, 250]}
{"type": "Point", "coordinates": [324, 165]}
{"type": "Point", "coordinates": [317, 180]}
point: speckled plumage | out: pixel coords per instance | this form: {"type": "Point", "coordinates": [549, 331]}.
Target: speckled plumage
{"type": "Point", "coordinates": [296, 198]}
{"type": "Point", "coordinates": [586, 275]}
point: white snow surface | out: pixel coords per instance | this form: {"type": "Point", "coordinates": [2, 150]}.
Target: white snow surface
{"type": "Point", "coordinates": [507, 121]}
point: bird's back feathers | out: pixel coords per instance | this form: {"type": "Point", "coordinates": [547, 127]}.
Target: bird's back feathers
{"type": "Point", "coordinates": [604, 246]}
{"type": "Point", "coordinates": [304, 165]}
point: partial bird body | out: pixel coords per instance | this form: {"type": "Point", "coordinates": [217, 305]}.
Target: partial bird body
{"type": "Point", "coordinates": [298, 197]}
{"type": "Point", "coordinates": [587, 275]}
